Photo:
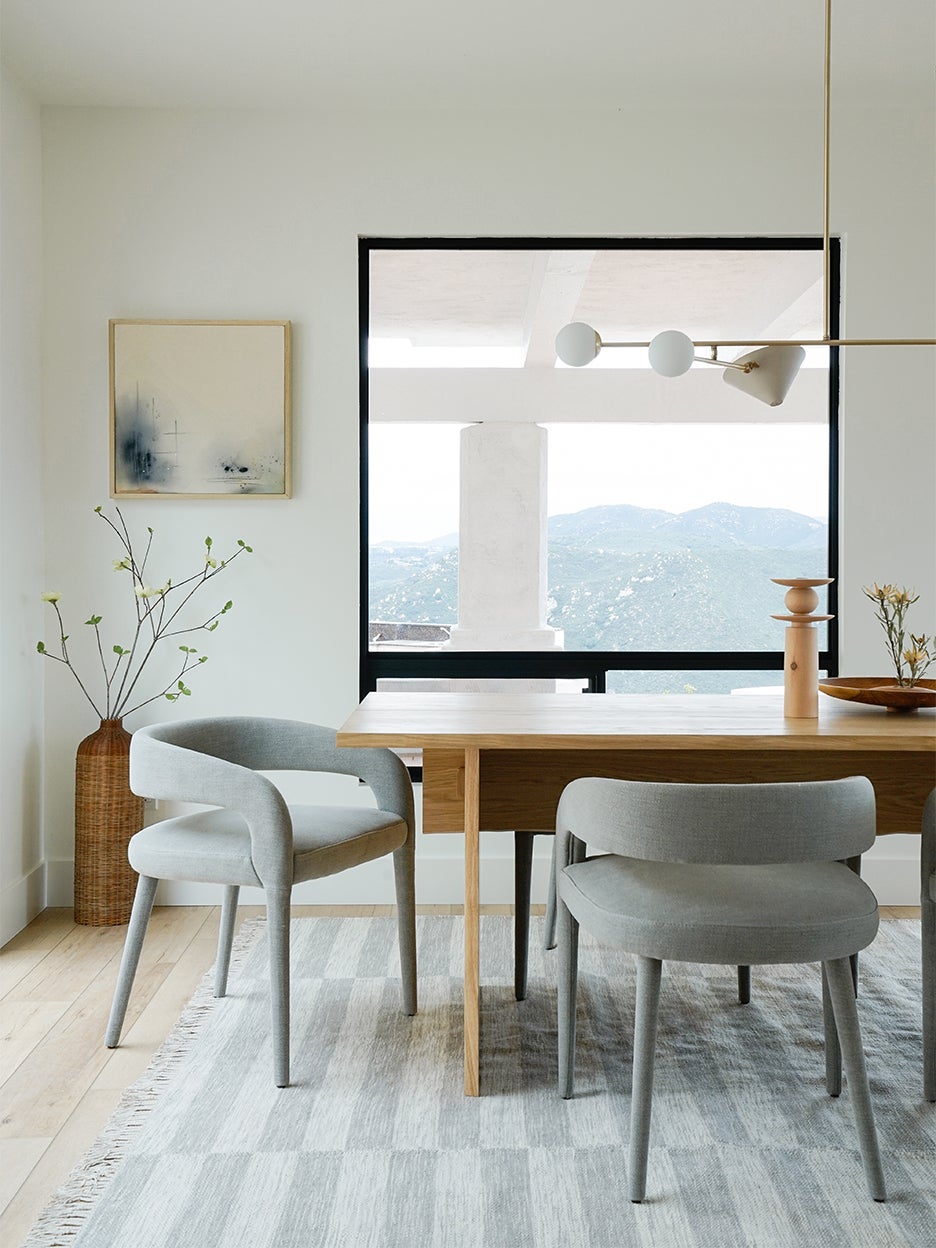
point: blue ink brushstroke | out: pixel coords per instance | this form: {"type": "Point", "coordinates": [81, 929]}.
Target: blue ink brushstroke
{"type": "Point", "coordinates": [135, 448]}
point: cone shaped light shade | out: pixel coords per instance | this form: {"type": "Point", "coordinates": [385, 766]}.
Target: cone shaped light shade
{"type": "Point", "coordinates": [577, 344]}
{"type": "Point", "coordinates": [775, 372]}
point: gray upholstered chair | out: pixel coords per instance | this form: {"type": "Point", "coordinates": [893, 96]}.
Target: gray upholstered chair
{"type": "Point", "coordinates": [928, 918]}
{"type": "Point", "coordinates": [523, 875]}
{"type": "Point", "coordinates": [728, 874]}
{"type": "Point", "coordinates": [255, 838]}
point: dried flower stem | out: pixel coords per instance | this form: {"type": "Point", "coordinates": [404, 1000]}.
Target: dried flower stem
{"type": "Point", "coordinates": [890, 608]}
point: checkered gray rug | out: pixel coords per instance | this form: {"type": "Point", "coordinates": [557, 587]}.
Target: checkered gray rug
{"type": "Point", "coordinates": [374, 1144]}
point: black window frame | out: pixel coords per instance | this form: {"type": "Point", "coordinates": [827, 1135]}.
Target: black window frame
{"type": "Point", "coordinates": [592, 666]}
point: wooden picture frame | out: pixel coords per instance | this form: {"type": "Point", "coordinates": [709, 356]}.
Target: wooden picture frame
{"type": "Point", "coordinates": [199, 409]}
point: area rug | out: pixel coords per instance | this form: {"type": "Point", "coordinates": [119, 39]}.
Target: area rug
{"type": "Point", "coordinates": [375, 1145]}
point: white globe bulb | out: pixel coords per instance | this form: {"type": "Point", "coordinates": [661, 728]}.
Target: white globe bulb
{"type": "Point", "coordinates": [671, 353]}
{"type": "Point", "coordinates": [577, 344]}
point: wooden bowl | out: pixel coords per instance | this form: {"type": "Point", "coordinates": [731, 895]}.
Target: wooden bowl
{"type": "Point", "coordinates": [880, 691]}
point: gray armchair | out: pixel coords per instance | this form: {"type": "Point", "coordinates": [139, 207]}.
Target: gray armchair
{"type": "Point", "coordinates": [255, 838]}
{"type": "Point", "coordinates": [741, 874]}
{"type": "Point", "coordinates": [523, 876]}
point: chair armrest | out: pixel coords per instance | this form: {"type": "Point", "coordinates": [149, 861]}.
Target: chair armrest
{"type": "Point", "coordinates": [311, 747]}
{"type": "Point", "coordinates": [174, 772]}
{"type": "Point", "coordinates": [387, 777]}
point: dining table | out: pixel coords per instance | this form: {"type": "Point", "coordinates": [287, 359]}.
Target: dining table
{"type": "Point", "coordinates": [499, 761]}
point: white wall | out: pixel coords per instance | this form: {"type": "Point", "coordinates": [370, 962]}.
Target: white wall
{"type": "Point", "coordinates": [256, 215]}
{"type": "Point", "coordinates": [22, 875]}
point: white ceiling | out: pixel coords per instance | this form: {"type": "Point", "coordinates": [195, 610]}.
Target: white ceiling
{"type": "Point", "coordinates": [436, 54]}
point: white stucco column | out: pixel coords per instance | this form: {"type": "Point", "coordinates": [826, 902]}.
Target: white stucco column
{"type": "Point", "coordinates": [502, 580]}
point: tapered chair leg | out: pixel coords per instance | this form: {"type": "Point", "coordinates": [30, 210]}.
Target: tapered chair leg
{"type": "Point", "coordinates": [404, 872]}
{"type": "Point", "coordinates": [649, 971]}
{"type": "Point", "coordinates": [842, 992]}
{"type": "Point", "coordinates": [568, 934]}
{"type": "Point", "coordinates": [744, 985]}
{"type": "Point", "coordinates": [523, 870]}
{"type": "Point", "coordinates": [277, 909]}
{"type": "Point", "coordinates": [549, 940]}
{"type": "Point", "coordinates": [139, 920]}
{"type": "Point", "coordinates": [928, 925]}
{"type": "Point", "coordinates": [833, 1051]}
{"type": "Point", "coordinates": [226, 937]}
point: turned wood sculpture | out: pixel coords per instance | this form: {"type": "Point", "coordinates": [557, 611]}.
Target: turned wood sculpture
{"type": "Point", "coordinates": [801, 648]}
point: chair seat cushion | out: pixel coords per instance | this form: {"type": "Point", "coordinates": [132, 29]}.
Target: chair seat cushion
{"type": "Point", "coordinates": [213, 846]}
{"type": "Point", "coordinates": [796, 912]}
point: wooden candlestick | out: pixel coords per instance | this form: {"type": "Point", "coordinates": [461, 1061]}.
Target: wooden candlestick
{"type": "Point", "coordinates": [801, 647]}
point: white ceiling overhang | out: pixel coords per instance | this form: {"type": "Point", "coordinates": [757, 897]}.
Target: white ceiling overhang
{"type": "Point", "coordinates": [554, 395]}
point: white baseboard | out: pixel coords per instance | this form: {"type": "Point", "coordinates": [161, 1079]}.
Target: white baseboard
{"type": "Point", "coordinates": [60, 882]}
{"type": "Point", "coordinates": [21, 902]}
{"type": "Point", "coordinates": [891, 868]}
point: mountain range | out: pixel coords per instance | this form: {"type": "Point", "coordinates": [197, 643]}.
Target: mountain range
{"type": "Point", "coordinates": [633, 578]}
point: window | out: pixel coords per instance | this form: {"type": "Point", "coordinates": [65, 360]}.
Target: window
{"type": "Point", "coordinates": [524, 520]}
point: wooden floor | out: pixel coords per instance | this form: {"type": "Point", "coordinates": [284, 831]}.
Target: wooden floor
{"type": "Point", "coordinates": [58, 1084]}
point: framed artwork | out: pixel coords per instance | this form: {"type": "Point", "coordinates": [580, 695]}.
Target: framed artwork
{"type": "Point", "coordinates": [199, 409]}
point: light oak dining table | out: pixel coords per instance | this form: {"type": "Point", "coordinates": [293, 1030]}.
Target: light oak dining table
{"type": "Point", "coordinates": [499, 761]}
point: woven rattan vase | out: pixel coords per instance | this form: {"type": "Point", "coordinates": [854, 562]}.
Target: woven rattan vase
{"type": "Point", "coordinates": [107, 814]}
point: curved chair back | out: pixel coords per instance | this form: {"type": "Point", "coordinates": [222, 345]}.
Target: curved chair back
{"type": "Point", "coordinates": [171, 761]}
{"type": "Point", "coordinates": [808, 821]}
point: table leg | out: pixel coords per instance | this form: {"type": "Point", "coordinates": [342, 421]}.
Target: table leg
{"type": "Point", "coordinates": [472, 924]}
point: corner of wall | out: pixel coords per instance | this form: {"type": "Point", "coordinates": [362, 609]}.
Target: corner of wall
{"type": "Point", "coordinates": [22, 861]}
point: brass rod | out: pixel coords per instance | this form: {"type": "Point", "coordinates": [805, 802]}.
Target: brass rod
{"type": "Point", "coordinates": [873, 342]}
{"type": "Point", "coordinates": [794, 342]}
{"type": "Point", "coordinates": [705, 359]}
{"type": "Point", "coordinates": [826, 181]}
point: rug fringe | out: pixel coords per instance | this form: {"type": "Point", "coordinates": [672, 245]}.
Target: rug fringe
{"type": "Point", "coordinates": [67, 1212]}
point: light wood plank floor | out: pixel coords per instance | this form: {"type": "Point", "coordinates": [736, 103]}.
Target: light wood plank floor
{"type": "Point", "coordinates": [58, 1084]}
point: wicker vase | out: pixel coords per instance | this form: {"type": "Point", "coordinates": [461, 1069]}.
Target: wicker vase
{"type": "Point", "coordinates": [107, 814]}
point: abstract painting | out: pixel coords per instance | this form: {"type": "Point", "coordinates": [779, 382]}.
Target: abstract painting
{"type": "Point", "coordinates": [199, 408]}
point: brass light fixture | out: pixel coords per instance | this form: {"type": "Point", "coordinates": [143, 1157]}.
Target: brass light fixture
{"type": "Point", "coordinates": [766, 372]}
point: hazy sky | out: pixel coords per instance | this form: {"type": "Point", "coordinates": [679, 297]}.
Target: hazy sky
{"type": "Point", "coordinates": [414, 471]}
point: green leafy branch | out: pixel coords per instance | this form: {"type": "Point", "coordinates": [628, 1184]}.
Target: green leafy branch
{"type": "Point", "coordinates": [157, 610]}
